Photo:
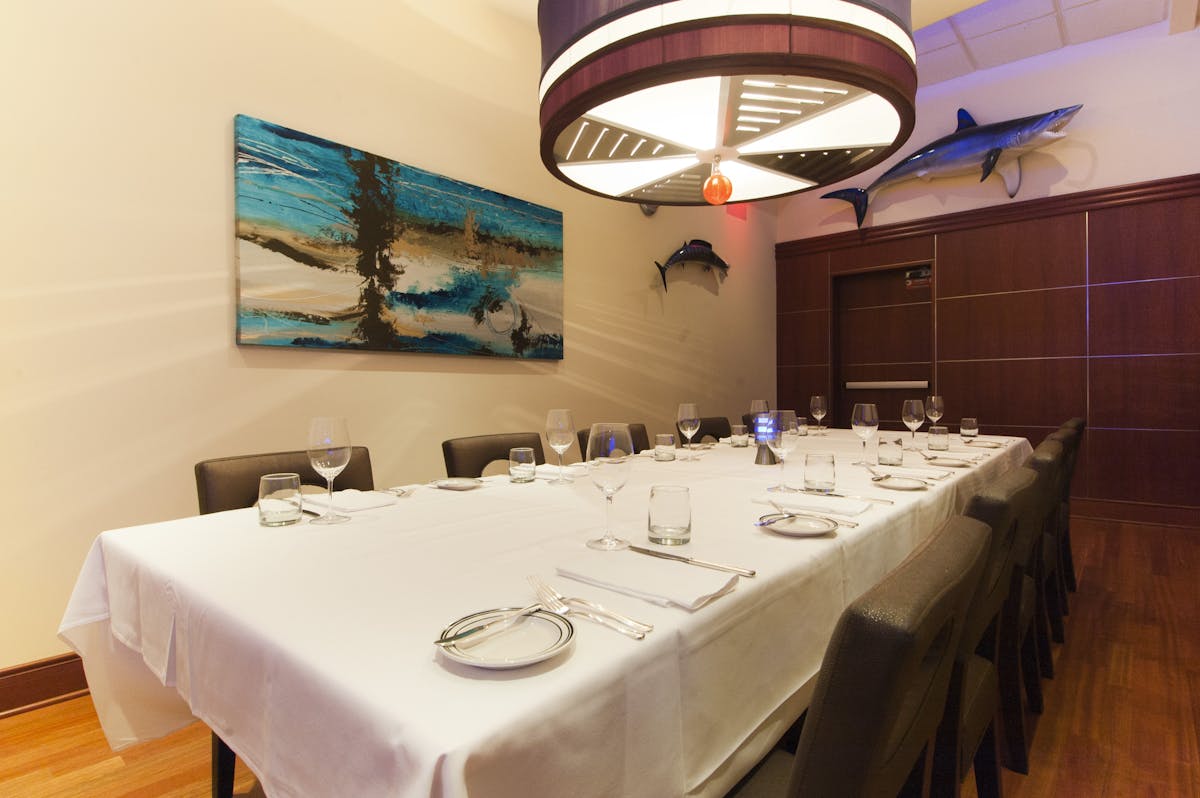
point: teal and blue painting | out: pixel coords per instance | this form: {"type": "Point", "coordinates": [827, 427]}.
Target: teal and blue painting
{"type": "Point", "coordinates": [338, 248]}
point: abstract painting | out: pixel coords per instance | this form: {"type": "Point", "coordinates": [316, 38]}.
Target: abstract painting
{"type": "Point", "coordinates": [341, 249]}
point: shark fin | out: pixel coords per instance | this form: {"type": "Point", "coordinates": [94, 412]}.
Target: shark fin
{"type": "Point", "coordinates": [1010, 172]}
{"type": "Point", "coordinates": [662, 272]}
{"type": "Point", "coordinates": [965, 120]}
{"type": "Point", "coordinates": [856, 197]}
{"type": "Point", "coordinates": [989, 162]}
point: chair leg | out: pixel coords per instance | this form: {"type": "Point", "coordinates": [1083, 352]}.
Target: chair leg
{"type": "Point", "coordinates": [987, 765]}
{"type": "Point", "coordinates": [1066, 558]}
{"type": "Point", "coordinates": [1031, 672]}
{"type": "Point", "coordinates": [223, 764]}
{"type": "Point", "coordinates": [1055, 606]}
{"type": "Point", "coordinates": [1041, 633]}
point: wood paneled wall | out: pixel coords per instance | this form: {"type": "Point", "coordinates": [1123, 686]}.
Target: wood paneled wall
{"type": "Point", "coordinates": [1085, 305]}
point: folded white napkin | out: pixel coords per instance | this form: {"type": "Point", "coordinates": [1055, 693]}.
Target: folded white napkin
{"type": "Point", "coordinates": [808, 502]}
{"type": "Point", "coordinates": [350, 500]}
{"type": "Point", "coordinates": [572, 470]}
{"type": "Point", "coordinates": [919, 473]}
{"type": "Point", "coordinates": [651, 579]}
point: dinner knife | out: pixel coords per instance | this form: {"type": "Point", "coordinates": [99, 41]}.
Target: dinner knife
{"type": "Point", "coordinates": [716, 566]}
{"type": "Point", "coordinates": [847, 496]}
{"type": "Point", "coordinates": [493, 626]}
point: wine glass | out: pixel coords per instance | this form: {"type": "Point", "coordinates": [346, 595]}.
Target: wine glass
{"type": "Point", "coordinates": [913, 415]}
{"type": "Point", "coordinates": [785, 436]}
{"type": "Point", "coordinates": [560, 432]}
{"type": "Point", "coordinates": [935, 408]}
{"type": "Point", "coordinates": [329, 452]}
{"type": "Point", "coordinates": [609, 461]}
{"type": "Point", "coordinates": [864, 421]}
{"type": "Point", "coordinates": [818, 407]}
{"type": "Point", "coordinates": [688, 419]}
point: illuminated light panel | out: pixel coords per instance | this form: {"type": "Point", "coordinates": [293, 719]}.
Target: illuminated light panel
{"type": "Point", "coordinates": [770, 84]}
{"type": "Point", "coordinates": [748, 129]}
{"type": "Point", "coordinates": [752, 182]}
{"type": "Point", "coordinates": [868, 121]}
{"type": "Point", "coordinates": [763, 109]}
{"type": "Point", "coordinates": [596, 143]}
{"type": "Point", "coordinates": [617, 178]}
{"type": "Point", "coordinates": [761, 119]}
{"type": "Point", "coordinates": [683, 112]}
{"type": "Point", "coordinates": [578, 133]}
{"type": "Point", "coordinates": [775, 98]}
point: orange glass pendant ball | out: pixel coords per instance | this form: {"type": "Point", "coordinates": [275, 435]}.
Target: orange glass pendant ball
{"type": "Point", "coordinates": [717, 189]}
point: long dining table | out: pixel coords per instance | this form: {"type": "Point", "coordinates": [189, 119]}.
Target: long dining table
{"type": "Point", "coordinates": [310, 649]}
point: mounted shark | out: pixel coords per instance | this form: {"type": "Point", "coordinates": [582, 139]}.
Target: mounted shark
{"type": "Point", "coordinates": [997, 147]}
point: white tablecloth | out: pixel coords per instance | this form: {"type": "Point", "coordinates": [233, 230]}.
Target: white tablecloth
{"type": "Point", "coordinates": [309, 649]}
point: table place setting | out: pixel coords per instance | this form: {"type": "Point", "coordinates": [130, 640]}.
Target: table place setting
{"type": "Point", "coordinates": [506, 637]}
{"type": "Point", "coordinates": [351, 500]}
{"type": "Point", "coordinates": [568, 473]}
{"type": "Point", "coordinates": [653, 579]}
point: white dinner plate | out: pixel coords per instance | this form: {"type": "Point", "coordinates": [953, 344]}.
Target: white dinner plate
{"type": "Point", "coordinates": [901, 483]}
{"type": "Point", "coordinates": [798, 526]}
{"type": "Point", "coordinates": [458, 483]}
{"type": "Point", "coordinates": [984, 444]}
{"type": "Point", "coordinates": [948, 462]}
{"type": "Point", "coordinates": [536, 637]}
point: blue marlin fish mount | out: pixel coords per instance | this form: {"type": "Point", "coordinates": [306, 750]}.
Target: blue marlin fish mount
{"type": "Point", "coordinates": [694, 251]}
{"type": "Point", "coordinates": [997, 147]}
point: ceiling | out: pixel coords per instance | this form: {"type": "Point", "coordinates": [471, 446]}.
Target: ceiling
{"type": "Point", "coordinates": [956, 37]}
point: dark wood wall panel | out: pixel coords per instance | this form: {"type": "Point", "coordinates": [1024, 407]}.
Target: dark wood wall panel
{"type": "Point", "coordinates": [886, 253]}
{"type": "Point", "coordinates": [1146, 392]}
{"type": "Point", "coordinates": [802, 283]}
{"type": "Point", "coordinates": [797, 383]}
{"type": "Point", "coordinates": [877, 335]}
{"type": "Point", "coordinates": [886, 287]}
{"type": "Point", "coordinates": [1152, 239]}
{"type": "Point", "coordinates": [802, 338]}
{"type": "Point", "coordinates": [1024, 324]}
{"type": "Point", "coordinates": [1142, 465]}
{"type": "Point", "coordinates": [1015, 392]}
{"type": "Point", "coordinates": [1155, 317]}
{"type": "Point", "coordinates": [1031, 254]}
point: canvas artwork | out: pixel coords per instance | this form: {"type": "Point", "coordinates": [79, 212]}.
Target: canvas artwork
{"type": "Point", "coordinates": [338, 248]}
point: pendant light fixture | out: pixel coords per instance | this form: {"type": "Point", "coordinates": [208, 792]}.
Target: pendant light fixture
{"type": "Point", "coordinates": [687, 102]}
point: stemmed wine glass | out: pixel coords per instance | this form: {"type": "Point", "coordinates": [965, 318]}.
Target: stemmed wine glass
{"type": "Point", "coordinates": [818, 407]}
{"type": "Point", "coordinates": [688, 419]}
{"type": "Point", "coordinates": [560, 432]}
{"type": "Point", "coordinates": [935, 408]}
{"type": "Point", "coordinates": [913, 416]}
{"type": "Point", "coordinates": [864, 421]}
{"type": "Point", "coordinates": [785, 436]}
{"type": "Point", "coordinates": [609, 461]}
{"type": "Point", "coordinates": [329, 452]}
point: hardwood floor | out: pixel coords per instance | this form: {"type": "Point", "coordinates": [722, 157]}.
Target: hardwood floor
{"type": "Point", "coordinates": [1122, 717]}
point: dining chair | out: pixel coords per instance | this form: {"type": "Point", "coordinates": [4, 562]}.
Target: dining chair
{"type": "Point", "coordinates": [715, 427]}
{"type": "Point", "coordinates": [637, 432]}
{"type": "Point", "coordinates": [467, 457]}
{"type": "Point", "coordinates": [969, 732]}
{"type": "Point", "coordinates": [1047, 459]}
{"type": "Point", "coordinates": [231, 483]}
{"type": "Point", "coordinates": [881, 690]}
{"type": "Point", "coordinates": [1070, 435]}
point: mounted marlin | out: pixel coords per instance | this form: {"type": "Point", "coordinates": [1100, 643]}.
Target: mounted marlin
{"type": "Point", "coordinates": [997, 147]}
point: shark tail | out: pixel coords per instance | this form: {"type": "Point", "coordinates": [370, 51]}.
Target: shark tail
{"type": "Point", "coordinates": [855, 196]}
{"type": "Point", "coordinates": [662, 272]}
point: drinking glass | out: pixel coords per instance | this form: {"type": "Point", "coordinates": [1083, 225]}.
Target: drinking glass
{"type": "Point", "coordinates": [820, 472]}
{"type": "Point", "coordinates": [522, 467]}
{"type": "Point", "coordinates": [664, 447]}
{"type": "Point", "coordinates": [279, 499]}
{"type": "Point", "coordinates": [609, 461]}
{"type": "Point", "coordinates": [329, 452]}
{"type": "Point", "coordinates": [560, 432]}
{"type": "Point", "coordinates": [935, 408]}
{"type": "Point", "coordinates": [688, 419]}
{"type": "Point", "coordinates": [818, 408]}
{"type": "Point", "coordinates": [784, 438]}
{"type": "Point", "coordinates": [913, 415]}
{"type": "Point", "coordinates": [669, 520]}
{"type": "Point", "coordinates": [968, 428]}
{"type": "Point", "coordinates": [738, 438]}
{"type": "Point", "coordinates": [864, 421]}
{"type": "Point", "coordinates": [939, 438]}
{"type": "Point", "coordinates": [891, 450]}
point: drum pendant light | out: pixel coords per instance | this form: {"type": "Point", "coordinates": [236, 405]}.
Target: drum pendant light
{"type": "Point", "coordinates": [688, 102]}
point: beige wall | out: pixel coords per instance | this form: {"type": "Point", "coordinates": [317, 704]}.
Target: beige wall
{"type": "Point", "coordinates": [1139, 122]}
{"type": "Point", "coordinates": [119, 365]}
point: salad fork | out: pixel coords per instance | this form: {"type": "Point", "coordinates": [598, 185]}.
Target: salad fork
{"type": "Point", "coordinates": [552, 601]}
{"type": "Point", "coordinates": [536, 582]}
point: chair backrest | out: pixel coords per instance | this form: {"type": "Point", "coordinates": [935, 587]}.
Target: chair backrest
{"type": "Point", "coordinates": [1078, 423]}
{"type": "Point", "coordinates": [1005, 505]}
{"type": "Point", "coordinates": [1049, 460]}
{"type": "Point", "coordinates": [467, 457]}
{"type": "Point", "coordinates": [1070, 438]}
{"type": "Point", "coordinates": [231, 483]}
{"type": "Point", "coordinates": [641, 439]}
{"type": "Point", "coordinates": [715, 427]}
{"type": "Point", "coordinates": [882, 686]}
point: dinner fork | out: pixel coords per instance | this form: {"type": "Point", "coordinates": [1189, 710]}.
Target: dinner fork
{"type": "Point", "coordinates": [538, 584]}
{"type": "Point", "coordinates": [556, 605]}
{"type": "Point", "coordinates": [878, 477]}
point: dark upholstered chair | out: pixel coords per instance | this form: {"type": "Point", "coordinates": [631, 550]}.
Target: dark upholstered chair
{"type": "Point", "coordinates": [1048, 459]}
{"type": "Point", "coordinates": [1070, 435]}
{"type": "Point", "coordinates": [968, 733]}
{"type": "Point", "coordinates": [641, 439]}
{"type": "Point", "coordinates": [467, 457]}
{"type": "Point", "coordinates": [715, 427]}
{"type": "Point", "coordinates": [882, 685]}
{"type": "Point", "coordinates": [231, 483]}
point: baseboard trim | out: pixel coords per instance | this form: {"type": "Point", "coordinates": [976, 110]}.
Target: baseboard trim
{"type": "Point", "coordinates": [1136, 513]}
{"type": "Point", "coordinates": [41, 683]}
